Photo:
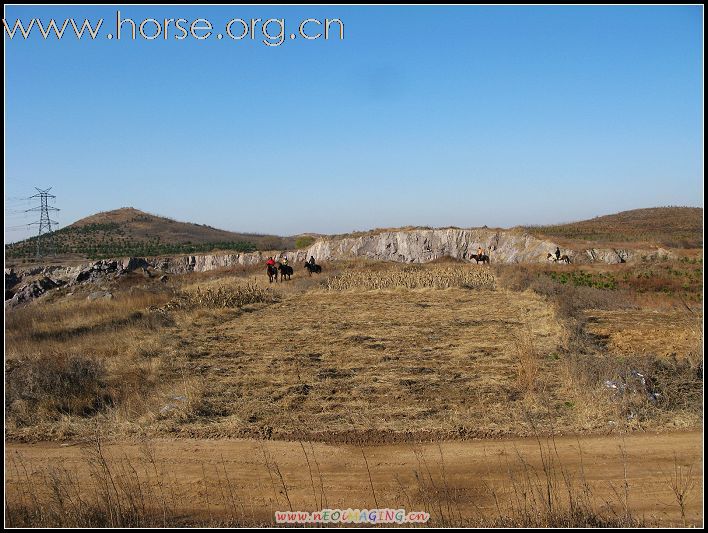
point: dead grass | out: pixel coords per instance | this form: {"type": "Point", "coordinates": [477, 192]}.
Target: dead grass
{"type": "Point", "coordinates": [648, 359]}
{"type": "Point", "coordinates": [414, 277]}
{"type": "Point", "coordinates": [527, 364]}
{"type": "Point", "coordinates": [421, 359]}
{"type": "Point", "coordinates": [678, 227]}
{"type": "Point", "coordinates": [71, 361]}
{"type": "Point", "coordinates": [664, 333]}
{"type": "Point", "coordinates": [408, 361]}
{"type": "Point", "coordinates": [219, 298]}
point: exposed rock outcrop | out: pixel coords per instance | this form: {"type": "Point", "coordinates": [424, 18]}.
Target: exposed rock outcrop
{"type": "Point", "coordinates": [207, 262]}
{"type": "Point", "coordinates": [421, 246]}
{"type": "Point", "coordinates": [33, 290]}
{"type": "Point", "coordinates": [409, 246]}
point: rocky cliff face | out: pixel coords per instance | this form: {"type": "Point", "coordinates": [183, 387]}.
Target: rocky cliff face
{"type": "Point", "coordinates": [413, 246]}
{"type": "Point", "coordinates": [206, 262]}
{"type": "Point", "coordinates": [421, 246]}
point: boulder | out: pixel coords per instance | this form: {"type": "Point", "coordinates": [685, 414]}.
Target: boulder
{"type": "Point", "coordinates": [100, 295]}
{"type": "Point", "coordinates": [33, 290]}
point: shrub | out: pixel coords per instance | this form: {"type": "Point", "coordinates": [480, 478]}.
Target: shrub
{"type": "Point", "coordinates": [56, 385]}
{"type": "Point", "coordinates": [304, 242]}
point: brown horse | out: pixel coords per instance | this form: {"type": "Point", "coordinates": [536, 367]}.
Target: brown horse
{"type": "Point", "coordinates": [272, 273]}
{"type": "Point", "coordinates": [480, 258]}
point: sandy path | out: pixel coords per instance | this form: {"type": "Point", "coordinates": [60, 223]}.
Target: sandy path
{"type": "Point", "coordinates": [221, 477]}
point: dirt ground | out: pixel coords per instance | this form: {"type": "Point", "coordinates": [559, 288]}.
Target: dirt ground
{"type": "Point", "coordinates": [247, 480]}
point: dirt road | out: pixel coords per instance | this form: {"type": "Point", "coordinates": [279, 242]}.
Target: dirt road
{"type": "Point", "coordinates": [248, 479]}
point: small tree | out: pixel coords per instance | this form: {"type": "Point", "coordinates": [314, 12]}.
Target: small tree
{"type": "Point", "coordinates": [304, 242]}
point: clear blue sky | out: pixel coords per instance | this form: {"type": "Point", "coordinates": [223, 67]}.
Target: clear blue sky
{"type": "Point", "coordinates": [422, 115]}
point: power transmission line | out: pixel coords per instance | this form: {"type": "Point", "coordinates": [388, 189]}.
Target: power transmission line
{"type": "Point", "coordinates": [45, 223]}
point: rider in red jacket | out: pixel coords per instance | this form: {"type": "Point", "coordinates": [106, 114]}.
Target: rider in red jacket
{"type": "Point", "coordinates": [270, 262]}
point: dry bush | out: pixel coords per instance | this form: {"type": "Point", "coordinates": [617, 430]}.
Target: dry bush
{"type": "Point", "coordinates": [678, 382]}
{"type": "Point", "coordinates": [53, 386]}
{"type": "Point", "coordinates": [570, 301]}
{"type": "Point", "coordinates": [635, 391]}
{"type": "Point", "coordinates": [413, 278]}
{"type": "Point", "coordinates": [71, 360]}
{"type": "Point", "coordinates": [515, 277]}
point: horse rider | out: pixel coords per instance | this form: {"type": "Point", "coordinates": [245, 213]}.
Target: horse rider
{"type": "Point", "coordinates": [285, 260]}
{"type": "Point", "coordinates": [558, 253]}
{"type": "Point", "coordinates": [312, 260]}
{"type": "Point", "coordinates": [270, 262]}
{"type": "Point", "coordinates": [480, 252]}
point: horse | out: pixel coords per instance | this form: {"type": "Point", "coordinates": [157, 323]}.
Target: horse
{"type": "Point", "coordinates": [317, 269]}
{"type": "Point", "coordinates": [562, 259]}
{"type": "Point", "coordinates": [272, 273]}
{"type": "Point", "coordinates": [480, 258]}
{"type": "Point", "coordinates": [285, 270]}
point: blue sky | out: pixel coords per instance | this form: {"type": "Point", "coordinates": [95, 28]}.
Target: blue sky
{"type": "Point", "coordinates": [434, 116]}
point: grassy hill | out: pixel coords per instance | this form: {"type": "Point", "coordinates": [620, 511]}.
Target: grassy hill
{"type": "Point", "coordinates": [128, 231]}
{"type": "Point", "coordinates": [680, 227]}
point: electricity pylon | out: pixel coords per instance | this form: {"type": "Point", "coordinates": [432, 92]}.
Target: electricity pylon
{"type": "Point", "coordinates": [45, 223]}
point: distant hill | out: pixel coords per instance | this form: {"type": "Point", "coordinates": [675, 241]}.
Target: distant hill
{"type": "Point", "coordinates": [679, 227]}
{"type": "Point", "coordinates": [128, 231]}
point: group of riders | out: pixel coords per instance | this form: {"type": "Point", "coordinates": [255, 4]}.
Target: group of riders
{"type": "Point", "coordinates": [483, 255]}
{"type": "Point", "coordinates": [283, 266]}
{"type": "Point", "coordinates": [284, 261]}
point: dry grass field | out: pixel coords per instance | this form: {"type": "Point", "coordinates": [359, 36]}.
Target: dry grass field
{"type": "Point", "coordinates": [677, 227]}
{"type": "Point", "coordinates": [666, 333]}
{"type": "Point", "coordinates": [330, 359]}
{"type": "Point", "coordinates": [366, 356]}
